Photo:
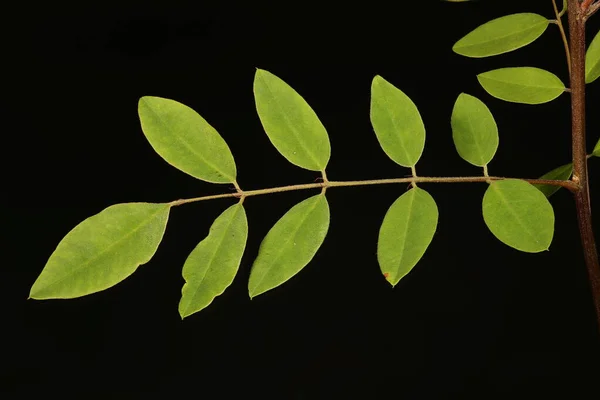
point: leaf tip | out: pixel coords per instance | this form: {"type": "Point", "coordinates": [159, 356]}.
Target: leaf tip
{"type": "Point", "coordinates": [144, 99]}
{"type": "Point", "coordinates": [33, 293]}
{"type": "Point", "coordinates": [386, 275]}
{"type": "Point", "coordinates": [185, 312]}
{"type": "Point", "coordinates": [259, 71]}
{"type": "Point", "coordinates": [455, 49]}
{"type": "Point", "coordinates": [256, 292]}
{"type": "Point", "coordinates": [377, 79]}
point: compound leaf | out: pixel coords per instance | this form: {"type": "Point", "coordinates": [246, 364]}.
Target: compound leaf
{"type": "Point", "coordinates": [527, 85]}
{"type": "Point", "coordinates": [474, 130]}
{"type": "Point", "coordinates": [519, 215]}
{"type": "Point", "coordinates": [502, 35]}
{"type": "Point", "coordinates": [406, 232]}
{"type": "Point", "coordinates": [185, 140]}
{"type": "Point", "coordinates": [592, 60]}
{"type": "Point", "coordinates": [290, 123]}
{"type": "Point", "coordinates": [290, 244]}
{"type": "Point", "coordinates": [560, 173]}
{"type": "Point", "coordinates": [102, 251]}
{"type": "Point", "coordinates": [212, 265]}
{"type": "Point", "coordinates": [397, 123]}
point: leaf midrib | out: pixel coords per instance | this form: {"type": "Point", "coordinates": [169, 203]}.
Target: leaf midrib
{"type": "Point", "coordinates": [475, 138]}
{"type": "Point", "coordinates": [498, 38]}
{"type": "Point", "coordinates": [399, 137]}
{"type": "Point", "coordinates": [408, 220]}
{"type": "Point", "coordinates": [296, 133]}
{"type": "Point", "coordinates": [78, 268]}
{"type": "Point", "coordinates": [209, 263]}
{"type": "Point", "coordinates": [512, 212]}
{"type": "Point", "coordinates": [513, 83]}
{"type": "Point", "coordinates": [186, 144]}
{"type": "Point", "coordinates": [282, 248]}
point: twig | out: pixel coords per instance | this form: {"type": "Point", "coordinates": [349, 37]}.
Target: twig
{"type": "Point", "coordinates": [582, 195]}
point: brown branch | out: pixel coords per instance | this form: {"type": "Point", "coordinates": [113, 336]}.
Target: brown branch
{"type": "Point", "coordinates": [582, 196]}
{"type": "Point", "coordinates": [585, 5]}
{"type": "Point", "coordinates": [592, 9]}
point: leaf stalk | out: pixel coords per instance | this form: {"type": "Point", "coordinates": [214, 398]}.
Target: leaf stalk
{"type": "Point", "coordinates": [561, 28]}
{"type": "Point", "coordinates": [572, 186]}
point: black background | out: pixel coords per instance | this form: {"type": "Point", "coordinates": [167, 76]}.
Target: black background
{"type": "Point", "coordinates": [474, 319]}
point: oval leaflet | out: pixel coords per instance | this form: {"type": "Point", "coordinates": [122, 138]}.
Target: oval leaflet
{"type": "Point", "coordinates": [290, 123]}
{"type": "Point", "coordinates": [406, 232]}
{"type": "Point", "coordinates": [474, 130]}
{"type": "Point", "coordinates": [519, 215]}
{"type": "Point", "coordinates": [527, 85]}
{"type": "Point", "coordinates": [212, 265]}
{"type": "Point", "coordinates": [290, 244]}
{"type": "Point", "coordinates": [102, 250]}
{"type": "Point", "coordinates": [502, 35]}
{"type": "Point", "coordinates": [397, 123]}
{"type": "Point", "coordinates": [185, 140]}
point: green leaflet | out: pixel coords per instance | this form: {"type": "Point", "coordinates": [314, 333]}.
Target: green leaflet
{"type": "Point", "coordinates": [592, 60]}
{"type": "Point", "coordinates": [560, 173]}
{"type": "Point", "coordinates": [213, 264]}
{"type": "Point", "coordinates": [474, 130]}
{"type": "Point", "coordinates": [185, 140]}
{"type": "Point", "coordinates": [290, 244]}
{"type": "Point", "coordinates": [290, 123]}
{"type": "Point", "coordinates": [527, 85]}
{"type": "Point", "coordinates": [406, 232]}
{"type": "Point", "coordinates": [596, 151]}
{"type": "Point", "coordinates": [397, 123]}
{"type": "Point", "coordinates": [519, 215]}
{"type": "Point", "coordinates": [102, 250]}
{"type": "Point", "coordinates": [502, 35]}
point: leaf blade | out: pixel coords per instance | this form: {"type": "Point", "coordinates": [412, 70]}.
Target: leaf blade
{"type": "Point", "coordinates": [290, 244]}
{"type": "Point", "coordinates": [519, 215]}
{"type": "Point", "coordinates": [397, 123]}
{"type": "Point", "coordinates": [405, 234]}
{"type": "Point", "coordinates": [185, 140]}
{"type": "Point", "coordinates": [474, 130]}
{"type": "Point", "coordinates": [526, 85]}
{"type": "Point", "coordinates": [563, 172]}
{"type": "Point", "coordinates": [592, 60]}
{"type": "Point", "coordinates": [502, 35]}
{"type": "Point", "coordinates": [212, 265]}
{"type": "Point", "coordinates": [290, 123]}
{"type": "Point", "coordinates": [102, 250]}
